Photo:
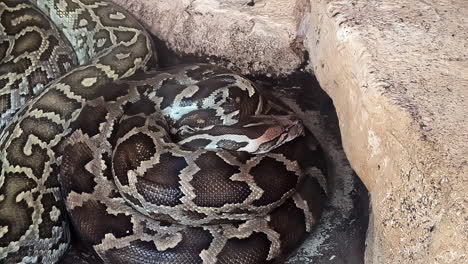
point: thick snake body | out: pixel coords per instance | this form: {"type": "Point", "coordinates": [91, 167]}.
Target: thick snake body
{"type": "Point", "coordinates": [186, 165]}
{"type": "Point", "coordinates": [217, 206]}
{"type": "Point", "coordinates": [32, 53]}
{"type": "Point", "coordinates": [32, 224]}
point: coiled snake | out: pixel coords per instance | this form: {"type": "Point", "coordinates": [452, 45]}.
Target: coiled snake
{"type": "Point", "coordinates": [225, 192]}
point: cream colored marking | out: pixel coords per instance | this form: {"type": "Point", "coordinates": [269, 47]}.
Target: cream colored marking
{"type": "Point", "coordinates": [122, 56]}
{"type": "Point", "coordinates": [101, 42]}
{"type": "Point", "coordinates": [117, 16]}
{"type": "Point", "coordinates": [19, 20]}
{"type": "Point", "coordinates": [3, 231]}
{"type": "Point", "coordinates": [302, 204]}
{"type": "Point", "coordinates": [88, 82]}
{"type": "Point", "coordinates": [253, 124]}
{"type": "Point", "coordinates": [165, 241]}
{"type": "Point", "coordinates": [32, 140]}
{"type": "Point", "coordinates": [83, 23]}
{"type": "Point", "coordinates": [54, 214]}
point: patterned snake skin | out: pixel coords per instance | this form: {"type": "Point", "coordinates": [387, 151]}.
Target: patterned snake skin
{"type": "Point", "coordinates": [32, 224]}
{"type": "Point", "coordinates": [32, 53]}
{"type": "Point", "coordinates": [185, 165]}
{"type": "Point", "coordinates": [217, 206]}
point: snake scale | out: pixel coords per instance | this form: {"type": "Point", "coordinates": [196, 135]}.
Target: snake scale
{"type": "Point", "coordinates": [183, 165]}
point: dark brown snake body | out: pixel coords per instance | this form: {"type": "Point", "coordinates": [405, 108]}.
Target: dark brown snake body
{"type": "Point", "coordinates": [185, 165]}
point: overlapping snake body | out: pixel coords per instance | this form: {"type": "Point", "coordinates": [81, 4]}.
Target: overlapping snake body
{"type": "Point", "coordinates": [32, 224]}
{"type": "Point", "coordinates": [186, 165]}
{"type": "Point", "coordinates": [215, 206]}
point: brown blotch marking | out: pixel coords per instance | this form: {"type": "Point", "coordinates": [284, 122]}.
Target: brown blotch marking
{"type": "Point", "coordinates": [198, 143]}
{"type": "Point", "coordinates": [253, 249]}
{"type": "Point", "coordinates": [124, 35]}
{"type": "Point", "coordinates": [92, 222]}
{"type": "Point", "coordinates": [52, 180]}
{"type": "Point", "coordinates": [57, 102]}
{"type": "Point", "coordinates": [312, 192]}
{"type": "Point", "coordinates": [128, 124]}
{"type": "Point", "coordinates": [169, 89]}
{"type": "Point", "coordinates": [108, 169]}
{"type": "Point", "coordinates": [45, 131]}
{"type": "Point", "coordinates": [4, 46]}
{"type": "Point", "coordinates": [144, 87]}
{"type": "Point", "coordinates": [274, 178]}
{"type": "Point", "coordinates": [138, 50]}
{"type": "Point", "coordinates": [27, 43]}
{"type": "Point", "coordinates": [48, 201]}
{"type": "Point", "coordinates": [209, 86]}
{"type": "Point", "coordinates": [19, 67]}
{"type": "Point", "coordinates": [130, 153]}
{"type": "Point", "coordinates": [36, 19]}
{"type": "Point", "coordinates": [289, 222]}
{"type": "Point", "coordinates": [15, 215]}
{"type": "Point", "coordinates": [90, 119]}
{"type": "Point", "coordinates": [5, 102]}
{"type": "Point", "coordinates": [107, 11]}
{"type": "Point", "coordinates": [212, 184]}
{"type": "Point", "coordinates": [73, 173]}
{"type": "Point", "coordinates": [114, 130]}
{"type": "Point", "coordinates": [99, 37]}
{"type": "Point", "coordinates": [160, 184]}
{"type": "Point", "coordinates": [91, 92]}
{"type": "Point", "coordinates": [142, 106]}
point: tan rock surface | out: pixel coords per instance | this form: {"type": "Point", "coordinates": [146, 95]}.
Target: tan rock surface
{"type": "Point", "coordinates": [398, 75]}
{"type": "Point", "coordinates": [397, 72]}
{"type": "Point", "coordinates": [251, 38]}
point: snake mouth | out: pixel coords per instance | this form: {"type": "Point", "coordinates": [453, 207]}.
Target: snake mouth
{"type": "Point", "coordinates": [287, 128]}
{"type": "Point", "coordinates": [294, 130]}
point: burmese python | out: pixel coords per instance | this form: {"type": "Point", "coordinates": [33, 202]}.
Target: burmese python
{"type": "Point", "coordinates": [221, 203]}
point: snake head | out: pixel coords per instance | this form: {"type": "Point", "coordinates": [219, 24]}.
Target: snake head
{"type": "Point", "coordinates": [277, 130]}
{"type": "Point", "coordinates": [255, 134]}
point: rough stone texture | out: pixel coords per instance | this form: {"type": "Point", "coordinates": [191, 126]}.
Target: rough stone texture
{"type": "Point", "coordinates": [340, 235]}
{"type": "Point", "coordinates": [249, 37]}
{"type": "Point", "coordinates": [397, 73]}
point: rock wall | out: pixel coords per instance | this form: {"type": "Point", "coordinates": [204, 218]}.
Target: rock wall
{"type": "Point", "coordinates": [253, 37]}
{"type": "Point", "coordinates": [397, 73]}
